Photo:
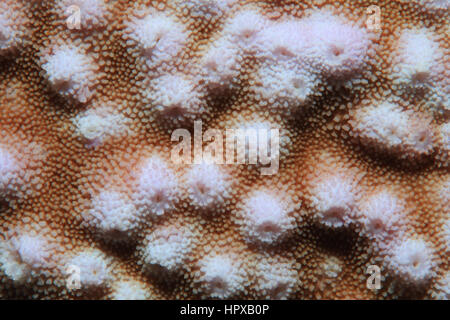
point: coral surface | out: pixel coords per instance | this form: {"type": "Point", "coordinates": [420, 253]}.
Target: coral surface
{"type": "Point", "coordinates": [93, 205]}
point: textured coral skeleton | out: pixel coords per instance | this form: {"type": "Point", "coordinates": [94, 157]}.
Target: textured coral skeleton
{"type": "Point", "coordinates": [87, 182]}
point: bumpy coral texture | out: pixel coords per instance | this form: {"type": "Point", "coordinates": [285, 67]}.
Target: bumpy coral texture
{"type": "Point", "coordinates": [89, 187]}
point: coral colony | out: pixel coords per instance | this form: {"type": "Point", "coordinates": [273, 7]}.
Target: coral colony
{"type": "Point", "coordinates": [195, 149]}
